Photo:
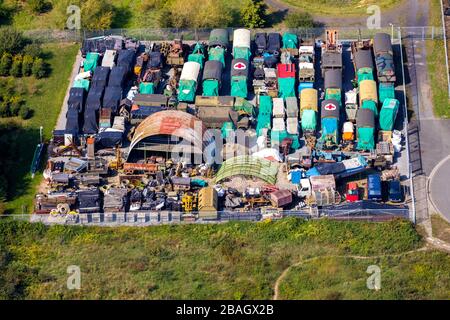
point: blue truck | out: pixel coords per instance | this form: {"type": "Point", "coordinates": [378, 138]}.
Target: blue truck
{"type": "Point", "coordinates": [374, 191]}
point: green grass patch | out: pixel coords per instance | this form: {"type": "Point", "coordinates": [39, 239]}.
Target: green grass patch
{"type": "Point", "coordinates": [44, 97]}
{"type": "Point", "coordinates": [341, 7]}
{"type": "Point", "coordinates": [219, 261]}
{"type": "Point", "coordinates": [419, 275]}
{"type": "Point", "coordinates": [440, 227]}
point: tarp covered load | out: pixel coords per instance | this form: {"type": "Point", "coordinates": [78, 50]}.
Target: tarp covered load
{"type": "Point", "coordinates": [219, 37]}
{"type": "Point", "coordinates": [309, 120]}
{"type": "Point", "coordinates": [239, 76]}
{"type": "Point", "coordinates": [77, 98]}
{"type": "Point", "coordinates": [386, 91]}
{"type": "Point", "coordinates": [241, 44]}
{"type": "Point", "coordinates": [330, 120]}
{"type": "Point", "coordinates": [72, 121]}
{"type": "Point", "coordinates": [212, 76]}
{"type": "Point", "coordinates": [188, 81]}
{"type": "Point", "coordinates": [363, 59]}
{"type": "Point", "coordinates": [117, 76]}
{"type": "Point", "coordinates": [333, 79]}
{"type": "Point", "coordinates": [261, 42]}
{"type": "Point", "coordinates": [217, 54]}
{"type": "Point", "coordinates": [155, 60]}
{"type": "Point", "coordinates": [286, 87]}
{"type": "Point", "coordinates": [146, 88]}
{"type": "Point", "coordinates": [290, 41]}
{"type": "Point", "coordinates": [100, 77]}
{"type": "Point", "coordinates": [339, 169]}
{"type": "Point", "coordinates": [241, 105]}
{"type": "Point", "coordinates": [95, 98]}
{"type": "Point", "coordinates": [277, 136]}
{"type": "Point", "coordinates": [309, 99]}
{"type": "Point", "coordinates": [382, 43]}
{"type": "Point", "coordinates": [111, 98]}
{"type": "Point", "coordinates": [198, 54]}
{"type": "Point", "coordinates": [365, 122]}
{"type": "Point", "coordinates": [126, 58]}
{"type": "Point", "coordinates": [90, 125]}
{"type": "Point", "coordinates": [248, 166]}
{"type": "Point", "coordinates": [110, 137]}
{"type": "Point", "coordinates": [81, 83]}
{"type": "Point", "coordinates": [91, 61]}
{"type": "Point", "coordinates": [388, 114]}
{"type": "Point", "coordinates": [264, 114]}
{"type": "Point", "coordinates": [292, 107]}
{"type": "Point", "coordinates": [368, 91]}
{"type": "Point", "coordinates": [273, 43]}
{"type": "Point", "coordinates": [370, 105]}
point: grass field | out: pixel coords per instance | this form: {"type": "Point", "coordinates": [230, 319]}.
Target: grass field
{"type": "Point", "coordinates": [340, 7]}
{"type": "Point", "coordinates": [437, 66]}
{"type": "Point", "coordinates": [226, 261]}
{"type": "Point", "coordinates": [441, 228]}
{"type": "Point", "coordinates": [45, 97]}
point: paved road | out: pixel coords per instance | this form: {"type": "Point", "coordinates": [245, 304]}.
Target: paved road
{"type": "Point", "coordinates": [439, 187]}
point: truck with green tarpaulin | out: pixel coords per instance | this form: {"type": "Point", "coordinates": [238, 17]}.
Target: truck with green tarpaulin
{"type": "Point", "coordinates": [330, 116]}
{"type": "Point", "coordinates": [333, 85]}
{"type": "Point", "coordinates": [368, 96]}
{"type": "Point", "coordinates": [212, 78]}
{"type": "Point", "coordinates": [309, 102]}
{"type": "Point", "coordinates": [388, 114]}
{"type": "Point", "coordinates": [239, 78]}
{"type": "Point", "coordinates": [188, 81]}
{"type": "Point", "coordinates": [365, 134]}
{"type": "Point", "coordinates": [218, 44]}
{"type": "Point", "coordinates": [242, 44]}
{"type": "Point", "coordinates": [264, 114]}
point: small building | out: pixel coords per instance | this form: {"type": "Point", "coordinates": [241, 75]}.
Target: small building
{"type": "Point", "coordinates": [207, 203]}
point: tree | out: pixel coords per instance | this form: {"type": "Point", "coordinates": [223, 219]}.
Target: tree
{"type": "Point", "coordinates": [11, 40]}
{"type": "Point", "coordinates": [97, 14]}
{"type": "Point", "coordinates": [253, 14]}
{"type": "Point", "coordinates": [25, 112]}
{"type": "Point", "coordinates": [33, 49]}
{"type": "Point", "coordinates": [27, 65]}
{"type": "Point", "coordinates": [299, 20]}
{"type": "Point", "coordinates": [37, 6]}
{"type": "Point", "coordinates": [5, 64]}
{"type": "Point", "coordinates": [16, 68]}
{"type": "Point", "coordinates": [39, 69]}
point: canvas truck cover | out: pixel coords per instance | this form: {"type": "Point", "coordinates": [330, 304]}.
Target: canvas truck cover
{"type": "Point", "coordinates": [388, 114]}
{"type": "Point", "coordinates": [77, 97]}
{"type": "Point", "coordinates": [330, 109]}
{"type": "Point", "coordinates": [278, 108]}
{"type": "Point", "coordinates": [309, 99]}
{"type": "Point", "coordinates": [187, 89]}
{"type": "Point", "coordinates": [211, 87]}
{"type": "Point", "coordinates": [197, 57]}
{"type": "Point", "coordinates": [290, 41]}
{"type": "Point", "coordinates": [190, 71]}
{"type": "Point", "coordinates": [286, 70]}
{"type": "Point", "coordinates": [363, 59]}
{"type": "Point", "coordinates": [109, 58]}
{"type": "Point", "coordinates": [90, 63]}
{"type": "Point", "coordinates": [261, 41]}
{"type": "Point", "coordinates": [151, 100]}
{"type": "Point", "coordinates": [333, 79]}
{"type": "Point", "coordinates": [241, 38]}
{"type": "Point", "coordinates": [292, 107]}
{"type": "Point", "coordinates": [242, 105]}
{"type": "Point", "coordinates": [332, 60]}
{"type": "Point", "coordinates": [239, 86]}
{"type": "Point", "coordinates": [82, 83]}
{"type": "Point", "coordinates": [126, 58]}
{"type": "Point", "coordinates": [100, 77]}
{"type": "Point", "coordinates": [382, 43]}
{"type": "Point", "coordinates": [219, 37]}
{"type": "Point", "coordinates": [146, 88]}
{"type": "Point", "coordinates": [368, 91]}
{"type": "Point", "coordinates": [112, 97]}
{"type": "Point", "coordinates": [239, 68]}
{"type": "Point", "coordinates": [117, 76]}
{"type": "Point", "coordinates": [94, 98]}
{"type": "Point", "coordinates": [278, 124]}
{"type": "Point", "coordinates": [386, 91]}
{"type": "Point", "coordinates": [265, 114]}
{"type": "Point", "coordinates": [155, 60]}
{"type": "Point", "coordinates": [309, 119]}
{"type": "Point", "coordinates": [217, 54]}
{"type": "Point", "coordinates": [292, 125]}
{"type": "Point", "coordinates": [90, 124]}
{"type": "Point", "coordinates": [213, 70]}
{"type": "Point", "coordinates": [365, 118]}
{"type": "Point", "coordinates": [273, 42]}
{"type": "Point", "coordinates": [286, 87]}
{"type": "Point", "coordinates": [72, 121]}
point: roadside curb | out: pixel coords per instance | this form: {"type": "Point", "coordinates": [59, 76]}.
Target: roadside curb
{"type": "Point", "coordinates": [429, 180]}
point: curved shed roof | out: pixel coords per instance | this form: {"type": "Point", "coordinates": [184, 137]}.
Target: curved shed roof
{"type": "Point", "coordinates": [174, 123]}
{"type": "Point", "coordinates": [249, 166]}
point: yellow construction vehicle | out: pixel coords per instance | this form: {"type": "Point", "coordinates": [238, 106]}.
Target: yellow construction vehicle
{"type": "Point", "coordinates": [117, 163]}
{"type": "Point", "coordinates": [189, 202]}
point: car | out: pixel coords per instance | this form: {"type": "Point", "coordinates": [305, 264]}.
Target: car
{"type": "Point", "coordinates": [395, 191]}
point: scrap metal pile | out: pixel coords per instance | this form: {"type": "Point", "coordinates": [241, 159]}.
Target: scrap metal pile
{"type": "Point", "coordinates": [253, 102]}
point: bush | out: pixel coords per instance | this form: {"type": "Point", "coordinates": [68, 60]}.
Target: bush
{"type": "Point", "coordinates": [253, 14]}
{"type": "Point", "coordinates": [4, 109]}
{"type": "Point", "coordinates": [97, 14]}
{"type": "Point", "coordinates": [11, 40]}
{"type": "Point", "coordinates": [25, 113]}
{"type": "Point", "coordinates": [5, 64]}
{"type": "Point", "coordinates": [37, 6]}
{"type": "Point", "coordinates": [39, 69]}
{"type": "Point", "coordinates": [33, 49]}
{"type": "Point", "coordinates": [299, 20]}
{"type": "Point", "coordinates": [27, 65]}
{"type": "Point", "coordinates": [16, 68]}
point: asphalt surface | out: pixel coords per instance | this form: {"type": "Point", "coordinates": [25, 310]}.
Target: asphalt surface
{"type": "Point", "coordinates": [438, 187]}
